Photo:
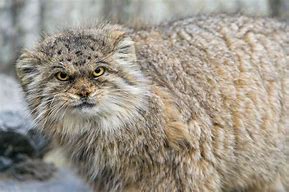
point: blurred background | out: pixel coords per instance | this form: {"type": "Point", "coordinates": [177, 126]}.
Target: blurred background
{"type": "Point", "coordinates": [23, 22]}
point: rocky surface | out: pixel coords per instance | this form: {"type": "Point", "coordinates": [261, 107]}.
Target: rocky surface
{"type": "Point", "coordinates": [23, 148]}
{"type": "Point", "coordinates": [63, 181]}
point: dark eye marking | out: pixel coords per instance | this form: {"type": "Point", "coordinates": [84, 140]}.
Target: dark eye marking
{"type": "Point", "coordinates": [57, 67]}
{"type": "Point", "coordinates": [102, 62]}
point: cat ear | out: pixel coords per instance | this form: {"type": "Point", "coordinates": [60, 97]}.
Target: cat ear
{"type": "Point", "coordinates": [124, 48]}
{"type": "Point", "coordinates": [26, 67]}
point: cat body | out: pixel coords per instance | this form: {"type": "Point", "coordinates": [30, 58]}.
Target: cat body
{"type": "Point", "coordinates": [199, 104]}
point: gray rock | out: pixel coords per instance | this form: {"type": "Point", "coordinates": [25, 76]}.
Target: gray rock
{"type": "Point", "coordinates": [22, 148]}
{"type": "Point", "coordinates": [16, 146]}
{"type": "Point", "coordinates": [5, 163]}
{"type": "Point", "coordinates": [13, 120]}
{"type": "Point", "coordinates": [13, 109]}
{"type": "Point", "coordinates": [32, 169]}
{"type": "Point", "coordinates": [64, 181]}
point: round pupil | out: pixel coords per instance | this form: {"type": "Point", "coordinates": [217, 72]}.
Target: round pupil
{"type": "Point", "coordinates": [97, 70]}
{"type": "Point", "coordinates": [63, 75]}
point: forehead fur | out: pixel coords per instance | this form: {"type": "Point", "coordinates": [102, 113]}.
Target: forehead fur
{"type": "Point", "coordinates": [79, 46]}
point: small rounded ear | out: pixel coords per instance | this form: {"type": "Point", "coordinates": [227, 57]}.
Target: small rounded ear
{"type": "Point", "coordinates": [121, 40]}
{"type": "Point", "coordinates": [125, 51]}
{"type": "Point", "coordinates": [124, 47]}
{"type": "Point", "coordinates": [26, 67]}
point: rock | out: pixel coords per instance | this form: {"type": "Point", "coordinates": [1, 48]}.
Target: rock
{"type": "Point", "coordinates": [32, 169]}
{"type": "Point", "coordinates": [22, 148]}
{"type": "Point", "coordinates": [62, 181]}
{"type": "Point", "coordinates": [5, 163]}
{"type": "Point", "coordinates": [41, 143]}
{"type": "Point", "coordinates": [16, 121]}
{"type": "Point", "coordinates": [16, 146]}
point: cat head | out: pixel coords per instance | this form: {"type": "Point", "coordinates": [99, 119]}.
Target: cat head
{"type": "Point", "coordinates": [83, 75]}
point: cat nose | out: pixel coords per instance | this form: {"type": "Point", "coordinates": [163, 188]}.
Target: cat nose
{"type": "Point", "coordinates": [84, 93]}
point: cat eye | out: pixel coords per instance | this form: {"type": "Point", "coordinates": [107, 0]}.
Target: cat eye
{"type": "Point", "coordinates": [62, 76]}
{"type": "Point", "coordinates": [98, 71]}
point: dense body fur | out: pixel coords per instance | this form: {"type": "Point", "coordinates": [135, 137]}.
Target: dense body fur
{"type": "Point", "coordinates": [205, 106]}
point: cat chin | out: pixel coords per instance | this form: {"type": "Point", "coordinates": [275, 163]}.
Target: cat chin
{"type": "Point", "coordinates": [85, 112]}
{"type": "Point", "coordinates": [97, 118]}
{"type": "Point", "coordinates": [84, 120]}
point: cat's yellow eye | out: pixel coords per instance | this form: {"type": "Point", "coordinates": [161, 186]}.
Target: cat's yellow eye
{"type": "Point", "coordinates": [62, 76]}
{"type": "Point", "coordinates": [98, 71]}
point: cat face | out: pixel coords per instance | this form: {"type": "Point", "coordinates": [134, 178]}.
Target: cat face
{"type": "Point", "coordinates": [84, 75]}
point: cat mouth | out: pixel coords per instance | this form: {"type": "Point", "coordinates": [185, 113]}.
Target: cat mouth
{"type": "Point", "coordinates": [85, 105]}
